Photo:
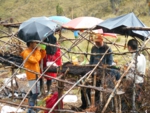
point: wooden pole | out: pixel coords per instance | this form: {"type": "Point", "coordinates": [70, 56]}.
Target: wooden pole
{"type": "Point", "coordinates": [68, 91]}
{"type": "Point", "coordinates": [9, 28]}
{"type": "Point", "coordinates": [12, 86]}
{"type": "Point", "coordinates": [137, 28]}
{"type": "Point", "coordinates": [119, 99]}
{"type": "Point", "coordinates": [116, 103]}
{"type": "Point", "coordinates": [42, 81]}
{"type": "Point", "coordinates": [93, 91]}
{"type": "Point", "coordinates": [117, 85]}
{"type": "Point", "coordinates": [61, 87]}
{"type": "Point", "coordinates": [35, 107]}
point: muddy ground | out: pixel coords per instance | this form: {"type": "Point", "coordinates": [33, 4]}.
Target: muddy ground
{"type": "Point", "coordinates": [5, 73]}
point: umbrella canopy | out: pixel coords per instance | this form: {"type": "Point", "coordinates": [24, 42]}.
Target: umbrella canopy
{"type": "Point", "coordinates": [60, 19]}
{"type": "Point", "coordinates": [82, 23]}
{"type": "Point", "coordinates": [36, 28]}
{"type": "Point", "coordinates": [116, 25]}
{"type": "Point", "coordinates": [100, 31]}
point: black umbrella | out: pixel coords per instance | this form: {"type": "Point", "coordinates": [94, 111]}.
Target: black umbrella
{"type": "Point", "coordinates": [36, 28]}
{"type": "Point", "coordinates": [116, 25]}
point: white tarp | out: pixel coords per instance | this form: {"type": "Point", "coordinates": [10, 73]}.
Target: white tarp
{"type": "Point", "coordinates": [8, 109]}
{"type": "Point", "coordinates": [70, 98]}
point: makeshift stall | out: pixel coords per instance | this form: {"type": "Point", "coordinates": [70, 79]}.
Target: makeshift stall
{"type": "Point", "coordinates": [111, 92]}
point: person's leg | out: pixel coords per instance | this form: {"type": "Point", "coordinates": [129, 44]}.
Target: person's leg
{"type": "Point", "coordinates": [88, 92]}
{"type": "Point", "coordinates": [48, 83]}
{"type": "Point", "coordinates": [33, 96]}
{"type": "Point", "coordinates": [97, 93]}
{"type": "Point", "coordinates": [84, 104]}
{"type": "Point", "coordinates": [32, 102]}
{"type": "Point", "coordinates": [41, 87]}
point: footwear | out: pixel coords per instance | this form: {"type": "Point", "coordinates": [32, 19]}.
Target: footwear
{"type": "Point", "coordinates": [82, 107]}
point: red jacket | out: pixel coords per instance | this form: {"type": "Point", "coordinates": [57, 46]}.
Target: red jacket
{"type": "Point", "coordinates": [52, 58]}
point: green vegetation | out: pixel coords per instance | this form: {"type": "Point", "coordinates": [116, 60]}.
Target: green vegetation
{"type": "Point", "coordinates": [22, 10]}
{"type": "Point", "coordinates": [59, 10]}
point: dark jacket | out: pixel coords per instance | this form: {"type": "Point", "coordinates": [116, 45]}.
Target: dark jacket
{"type": "Point", "coordinates": [94, 59]}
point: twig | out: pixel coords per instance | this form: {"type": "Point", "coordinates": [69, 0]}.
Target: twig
{"type": "Point", "coordinates": [67, 82]}
{"type": "Point", "coordinates": [35, 107]}
{"type": "Point", "coordinates": [119, 81]}
{"type": "Point", "coordinates": [68, 91]}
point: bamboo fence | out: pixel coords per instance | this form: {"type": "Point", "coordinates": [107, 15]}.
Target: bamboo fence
{"type": "Point", "coordinates": [111, 99]}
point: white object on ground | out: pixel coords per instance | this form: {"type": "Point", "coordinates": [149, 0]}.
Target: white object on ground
{"type": "Point", "coordinates": [6, 82]}
{"type": "Point", "coordinates": [114, 64]}
{"type": "Point", "coordinates": [51, 63]}
{"type": "Point", "coordinates": [21, 76]}
{"type": "Point", "coordinates": [9, 95]}
{"type": "Point", "coordinates": [16, 94]}
{"type": "Point", "coordinates": [8, 109]}
{"type": "Point", "coordinates": [70, 98]}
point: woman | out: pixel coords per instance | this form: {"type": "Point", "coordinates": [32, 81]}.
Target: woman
{"type": "Point", "coordinates": [50, 60]}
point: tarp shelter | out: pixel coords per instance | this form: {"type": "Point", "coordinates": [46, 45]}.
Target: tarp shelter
{"type": "Point", "coordinates": [116, 25]}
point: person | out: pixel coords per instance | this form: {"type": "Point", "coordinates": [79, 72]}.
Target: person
{"type": "Point", "coordinates": [141, 66]}
{"type": "Point", "coordinates": [32, 63]}
{"type": "Point", "coordinates": [49, 60]}
{"type": "Point", "coordinates": [99, 47]}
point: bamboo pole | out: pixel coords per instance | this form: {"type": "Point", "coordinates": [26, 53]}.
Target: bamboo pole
{"type": "Point", "coordinates": [35, 107]}
{"type": "Point", "coordinates": [84, 53]}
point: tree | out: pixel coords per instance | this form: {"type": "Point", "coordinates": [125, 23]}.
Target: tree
{"type": "Point", "coordinates": [115, 5]}
{"type": "Point", "coordinates": [59, 10]}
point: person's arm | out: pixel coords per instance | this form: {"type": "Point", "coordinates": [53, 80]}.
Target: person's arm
{"type": "Point", "coordinates": [58, 54]}
{"type": "Point", "coordinates": [43, 53]}
{"type": "Point", "coordinates": [32, 59]}
{"type": "Point", "coordinates": [109, 58]}
{"type": "Point", "coordinates": [92, 56]}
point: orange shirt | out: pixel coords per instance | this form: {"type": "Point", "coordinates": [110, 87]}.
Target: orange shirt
{"type": "Point", "coordinates": [33, 62]}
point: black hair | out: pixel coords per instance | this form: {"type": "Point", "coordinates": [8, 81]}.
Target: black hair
{"type": "Point", "coordinates": [28, 44]}
{"type": "Point", "coordinates": [133, 44]}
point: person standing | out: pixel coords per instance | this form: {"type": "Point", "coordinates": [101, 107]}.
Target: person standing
{"type": "Point", "coordinates": [49, 60]}
{"type": "Point", "coordinates": [99, 47]}
{"type": "Point", "coordinates": [32, 63]}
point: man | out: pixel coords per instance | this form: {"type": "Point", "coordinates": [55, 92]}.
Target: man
{"type": "Point", "coordinates": [141, 63]}
{"type": "Point", "coordinates": [100, 47]}
{"type": "Point", "coordinates": [32, 63]}
{"type": "Point", "coordinates": [140, 69]}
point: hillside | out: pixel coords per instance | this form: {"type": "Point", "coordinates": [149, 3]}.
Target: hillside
{"type": "Point", "coordinates": [21, 10]}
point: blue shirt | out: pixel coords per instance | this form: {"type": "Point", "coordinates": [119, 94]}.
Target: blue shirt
{"type": "Point", "coordinates": [94, 59]}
